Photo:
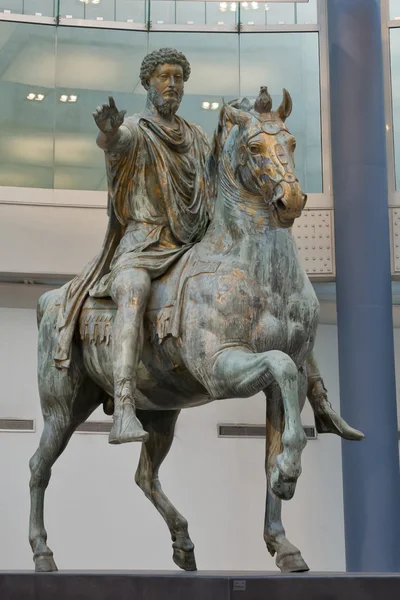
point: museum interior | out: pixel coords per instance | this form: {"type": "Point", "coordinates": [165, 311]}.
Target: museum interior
{"type": "Point", "coordinates": [59, 60]}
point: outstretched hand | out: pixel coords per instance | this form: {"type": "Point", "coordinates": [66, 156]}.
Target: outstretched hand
{"type": "Point", "coordinates": [108, 118]}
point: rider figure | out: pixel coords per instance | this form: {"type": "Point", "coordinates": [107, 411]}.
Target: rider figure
{"type": "Point", "coordinates": [156, 164]}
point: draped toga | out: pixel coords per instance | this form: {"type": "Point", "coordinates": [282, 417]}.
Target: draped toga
{"type": "Point", "coordinates": [157, 203]}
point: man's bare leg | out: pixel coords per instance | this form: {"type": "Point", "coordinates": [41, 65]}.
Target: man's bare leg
{"type": "Point", "coordinates": [326, 419]}
{"type": "Point", "coordinates": [130, 291]}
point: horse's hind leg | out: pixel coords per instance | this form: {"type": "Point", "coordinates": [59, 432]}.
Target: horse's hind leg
{"type": "Point", "coordinates": [161, 425]}
{"type": "Point", "coordinates": [62, 414]}
{"type": "Point", "coordinates": [56, 433]}
{"type": "Point", "coordinates": [288, 557]}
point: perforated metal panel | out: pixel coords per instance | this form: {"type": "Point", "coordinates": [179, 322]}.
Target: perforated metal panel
{"type": "Point", "coordinates": [395, 221]}
{"type": "Point", "coordinates": [313, 233]}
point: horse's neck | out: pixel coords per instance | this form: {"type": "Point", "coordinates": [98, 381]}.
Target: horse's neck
{"type": "Point", "coordinates": [238, 212]}
{"type": "Point", "coordinates": [242, 228]}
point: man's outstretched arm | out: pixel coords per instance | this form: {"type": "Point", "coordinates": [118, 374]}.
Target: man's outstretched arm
{"type": "Point", "coordinates": [113, 135]}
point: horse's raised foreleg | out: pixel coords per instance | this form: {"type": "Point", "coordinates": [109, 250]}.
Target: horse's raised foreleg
{"type": "Point", "coordinates": [161, 425]}
{"type": "Point", "coordinates": [242, 374]}
{"type": "Point", "coordinates": [288, 557]}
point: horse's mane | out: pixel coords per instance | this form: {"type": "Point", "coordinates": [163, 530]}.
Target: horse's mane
{"type": "Point", "coordinates": [218, 142]}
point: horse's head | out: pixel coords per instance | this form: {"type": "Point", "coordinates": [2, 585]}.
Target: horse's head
{"type": "Point", "coordinates": [255, 148]}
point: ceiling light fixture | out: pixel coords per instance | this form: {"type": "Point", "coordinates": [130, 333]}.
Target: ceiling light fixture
{"type": "Point", "coordinates": [66, 98]}
{"type": "Point", "coordinates": [205, 105]}
{"type": "Point", "coordinates": [214, 105]}
{"type": "Point", "coordinates": [33, 96]}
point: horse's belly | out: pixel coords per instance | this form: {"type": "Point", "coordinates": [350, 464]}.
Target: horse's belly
{"type": "Point", "coordinates": [160, 387]}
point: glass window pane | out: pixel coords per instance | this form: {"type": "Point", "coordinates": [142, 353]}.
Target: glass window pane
{"type": "Point", "coordinates": [221, 13]}
{"type": "Point", "coordinates": [11, 6]}
{"type": "Point", "coordinates": [132, 11]}
{"type": "Point", "coordinates": [43, 8]}
{"type": "Point", "coordinates": [72, 8]}
{"type": "Point", "coordinates": [191, 13]}
{"type": "Point", "coordinates": [27, 55]}
{"type": "Point", "coordinates": [92, 64]}
{"type": "Point", "coordinates": [395, 9]}
{"type": "Point", "coordinates": [306, 12]}
{"type": "Point", "coordinates": [253, 13]}
{"type": "Point", "coordinates": [214, 59]}
{"type": "Point", "coordinates": [162, 11]}
{"type": "Point", "coordinates": [103, 10]}
{"type": "Point", "coordinates": [395, 74]}
{"type": "Point", "coordinates": [295, 66]}
{"type": "Point", "coordinates": [281, 13]}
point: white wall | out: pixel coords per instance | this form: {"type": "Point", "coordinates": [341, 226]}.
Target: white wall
{"type": "Point", "coordinates": [58, 231]}
{"type": "Point", "coordinates": [98, 519]}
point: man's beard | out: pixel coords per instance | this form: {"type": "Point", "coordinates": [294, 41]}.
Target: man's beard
{"type": "Point", "coordinates": [167, 107]}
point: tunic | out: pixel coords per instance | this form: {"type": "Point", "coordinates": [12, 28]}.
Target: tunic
{"type": "Point", "coordinates": [157, 198]}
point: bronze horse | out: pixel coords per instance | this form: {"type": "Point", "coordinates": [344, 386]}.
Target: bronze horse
{"type": "Point", "coordinates": [243, 321]}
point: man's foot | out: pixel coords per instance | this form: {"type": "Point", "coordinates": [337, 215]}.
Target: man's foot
{"type": "Point", "coordinates": [126, 426]}
{"type": "Point", "coordinates": [327, 421]}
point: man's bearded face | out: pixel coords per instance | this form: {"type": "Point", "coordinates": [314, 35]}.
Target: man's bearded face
{"type": "Point", "coordinates": [166, 89]}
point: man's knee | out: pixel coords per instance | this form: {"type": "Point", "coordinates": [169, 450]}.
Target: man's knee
{"type": "Point", "coordinates": [131, 287]}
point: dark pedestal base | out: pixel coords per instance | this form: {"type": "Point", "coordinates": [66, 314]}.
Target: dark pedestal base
{"type": "Point", "coordinates": [149, 585]}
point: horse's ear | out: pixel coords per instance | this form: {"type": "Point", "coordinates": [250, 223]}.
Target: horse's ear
{"type": "Point", "coordinates": [286, 106]}
{"type": "Point", "coordinates": [233, 115]}
{"type": "Point", "coordinates": [242, 104]}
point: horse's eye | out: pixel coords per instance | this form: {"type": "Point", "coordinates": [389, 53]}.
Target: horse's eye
{"type": "Point", "coordinates": [255, 149]}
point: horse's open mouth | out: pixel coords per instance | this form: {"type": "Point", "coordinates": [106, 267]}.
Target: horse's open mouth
{"type": "Point", "coordinates": [281, 219]}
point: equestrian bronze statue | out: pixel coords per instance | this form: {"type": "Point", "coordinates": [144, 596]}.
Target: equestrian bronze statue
{"type": "Point", "coordinates": [197, 295]}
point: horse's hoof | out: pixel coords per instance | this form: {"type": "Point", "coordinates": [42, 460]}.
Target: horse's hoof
{"type": "Point", "coordinates": [184, 559]}
{"type": "Point", "coordinates": [292, 563]}
{"type": "Point", "coordinates": [45, 563]}
{"type": "Point", "coordinates": [282, 486]}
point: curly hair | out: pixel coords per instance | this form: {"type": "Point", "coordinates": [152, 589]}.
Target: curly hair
{"type": "Point", "coordinates": [162, 57]}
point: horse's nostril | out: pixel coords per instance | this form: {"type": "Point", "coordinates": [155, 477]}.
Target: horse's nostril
{"type": "Point", "coordinates": [280, 205]}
